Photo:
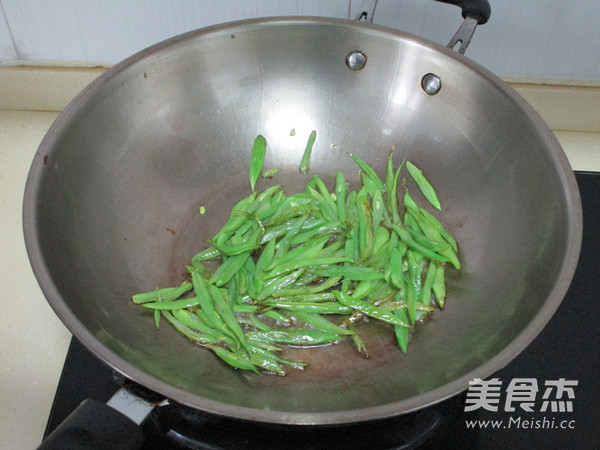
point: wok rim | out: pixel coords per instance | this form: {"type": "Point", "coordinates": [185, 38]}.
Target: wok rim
{"type": "Point", "coordinates": [121, 365]}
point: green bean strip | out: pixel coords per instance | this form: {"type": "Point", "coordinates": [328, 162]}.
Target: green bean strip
{"type": "Point", "coordinates": [421, 239]}
{"type": "Point", "coordinates": [267, 354]}
{"type": "Point", "coordinates": [340, 192]}
{"type": "Point", "coordinates": [286, 242]}
{"type": "Point", "coordinates": [300, 252]}
{"type": "Point", "coordinates": [365, 225]}
{"type": "Point", "coordinates": [257, 158]}
{"type": "Point", "coordinates": [395, 305]}
{"type": "Point", "coordinates": [358, 342]}
{"type": "Point", "coordinates": [269, 173]}
{"type": "Point", "coordinates": [206, 302]}
{"type": "Point", "coordinates": [378, 207]}
{"type": "Point", "coordinates": [410, 242]}
{"type": "Point", "coordinates": [294, 337]}
{"type": "Point", "coordinates": [237, 249]}
{"type": "Point", "coordinates": [382, 236]}
{"type": "Point", "coordinates": [265, 360]}
{"type": "Point", "coordinates": [226, 313]}
{"type": "Point", "coordinates": [428, 284]}
{"type": "Point", "coordinates": [276, 316]}
{"type": "Point", "coordinates": [235, 221]}
{"type": "Point", "coordinates": [276, 284]}
{"type": "Point", "coordinates": [243, 283]}
{"type": "Point", "coordinates": [151, 296]}
{"type": "Point", "coordinates": [269, 346]}
{"type": "Point", "coordinates": [355, 273]}
{"type": "Point", "coordinates": [192, 321]}
{"type": "Point", "coordinates": [396, 273]}
{"type": "Point", "coordinates": [290, 266]}
{"type": "Point", "coordinates": [252, 321]}
{"type": "Point", "coordinates": [310, 290]}
{"type": "Point", "coordinates": [448, 252]}
{"type": "Point", "coordinates": [167, 294]}
{"type": "Point", "coordinates": [326, 195]}
{"type": "Point", "coordinates": [269, 207]}
{"type": "Point", "coordinates": [307, 298]}
{"type": "Point", "coordinates": [157, 316]}
{"type": "Point", "coordinates": [233, 290]}
{"type": "Point", "coordinates": [176, 304]}
{"type": "Point", "coordinates": [384, 292]}
{"type": "Point", "coordinates": [447, 236]}
{"type": "Point", "coordinates": [265, 363]}
{"type": "Point", "coordinates": [230, 267]}
{"type": "Point", "coordinates": [368, 309]}
{"type": "Point", "coordinates": [275, 231]}
{"type": "Point", "coordinates": [414, 286]}
{"type": "Point", "coordinates": [305, 161]}
{"type": "Point", "coordinates": [203, 317]}
{"type": "Point", "coordinates": [283, 214]}
{"type": "Point", "coordinates": [393, 196]}
{"type": "Point", "coordinates": [409, 203]}
{"type": "Point", "coordinates": [351, 207]}
{"type": "Point", "coordinates": [188, 332]}
{"type": "Point", "coordinates": [369, 172]}
{"type": "Point", "coordinates": [424, 185]}
{"type": "Point", "coordinates": [389, 174]}
{"type": "Point", "coordinates": [241, 308]}
{"type": "Point", "coordinates": [439, 286]}
{"type": "Point", "coordinates": [278, 197]}
{"type": "Point", "coordinates": [267, 202]}
{"type": "Point", "coordinates": [318, 322]}
{"type": "Point", "coordinates": [158, 295]}
{"type": "Point", "coordinates": [351, 253]}
{"type": "Point", "coordinates": [309, 237]}
{"type": "Point", "coordinates": [317, 308]}
{"type": "Point", "coordinates": [332, 250]}
{"type": "Point", "coordinates": [388, 268]}
{"type": "Point", "coordinates": [402, 333]}
{"type": "Point", "coordinates": [250, 271]}
{"type": "Point", "coordinates": [322, 205]}
{"type": "Point", "coordinates": [236, 359]}
{"type": "Point", "coordinates": [205, 255]}
{"type": "Point", "coordinates": [368, 185]}
{"type": "Point", "coordinates": [266, 257]}
{"type": "Point", "coordinates": [363, 289]}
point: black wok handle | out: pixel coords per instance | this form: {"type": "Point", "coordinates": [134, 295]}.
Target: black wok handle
{"type": "Point", "coordinates": [475, 12]}
{"type": "Point", "coordinates": [95, 425]}
{"type": "Point", "coordinates": [477, 9]}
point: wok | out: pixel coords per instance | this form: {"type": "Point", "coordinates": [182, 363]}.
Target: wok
{"type": "Point", "coordinates": [111, 204]}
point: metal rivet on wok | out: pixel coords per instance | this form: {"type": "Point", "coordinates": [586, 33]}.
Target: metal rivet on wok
{"type": "Point", "coordinates": [356, 60]}
{"type": "Point", "coordinates": [431, 84]}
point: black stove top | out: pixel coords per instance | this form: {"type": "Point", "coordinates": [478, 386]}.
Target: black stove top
{"type": "Point", "coordinates": [542, 379]}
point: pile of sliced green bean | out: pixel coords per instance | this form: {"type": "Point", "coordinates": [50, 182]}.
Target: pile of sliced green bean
{"type": "Point", "coordinates": [305, 269]}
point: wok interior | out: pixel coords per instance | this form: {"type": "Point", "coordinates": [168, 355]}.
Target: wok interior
{"type": "Point", "coordinates": [134, 157]}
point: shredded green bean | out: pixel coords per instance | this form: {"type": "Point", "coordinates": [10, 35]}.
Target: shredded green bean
{"type": "Point", "coordinates": [306, 269]}
{"type": "Point", "coordinates": [257, 158]}
{"type": "Point", "coordinates": [305, 162]}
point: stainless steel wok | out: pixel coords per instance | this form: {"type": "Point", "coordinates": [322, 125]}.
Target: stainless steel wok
{"type": "Point", "coordinates": [112, 198]}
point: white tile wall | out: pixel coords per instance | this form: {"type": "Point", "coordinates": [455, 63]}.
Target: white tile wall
{"type": "Point", "coordinates": [8, 50]}
{"type": "Point", "coordinates": [552, 40]}
{"type": "Point", "coordinates": [524, 38]}
{"type": "Point", "coordinates": [107, 31]}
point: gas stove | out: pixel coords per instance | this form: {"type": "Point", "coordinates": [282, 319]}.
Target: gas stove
{"type": "Point", "coordinates": [547, 397]}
